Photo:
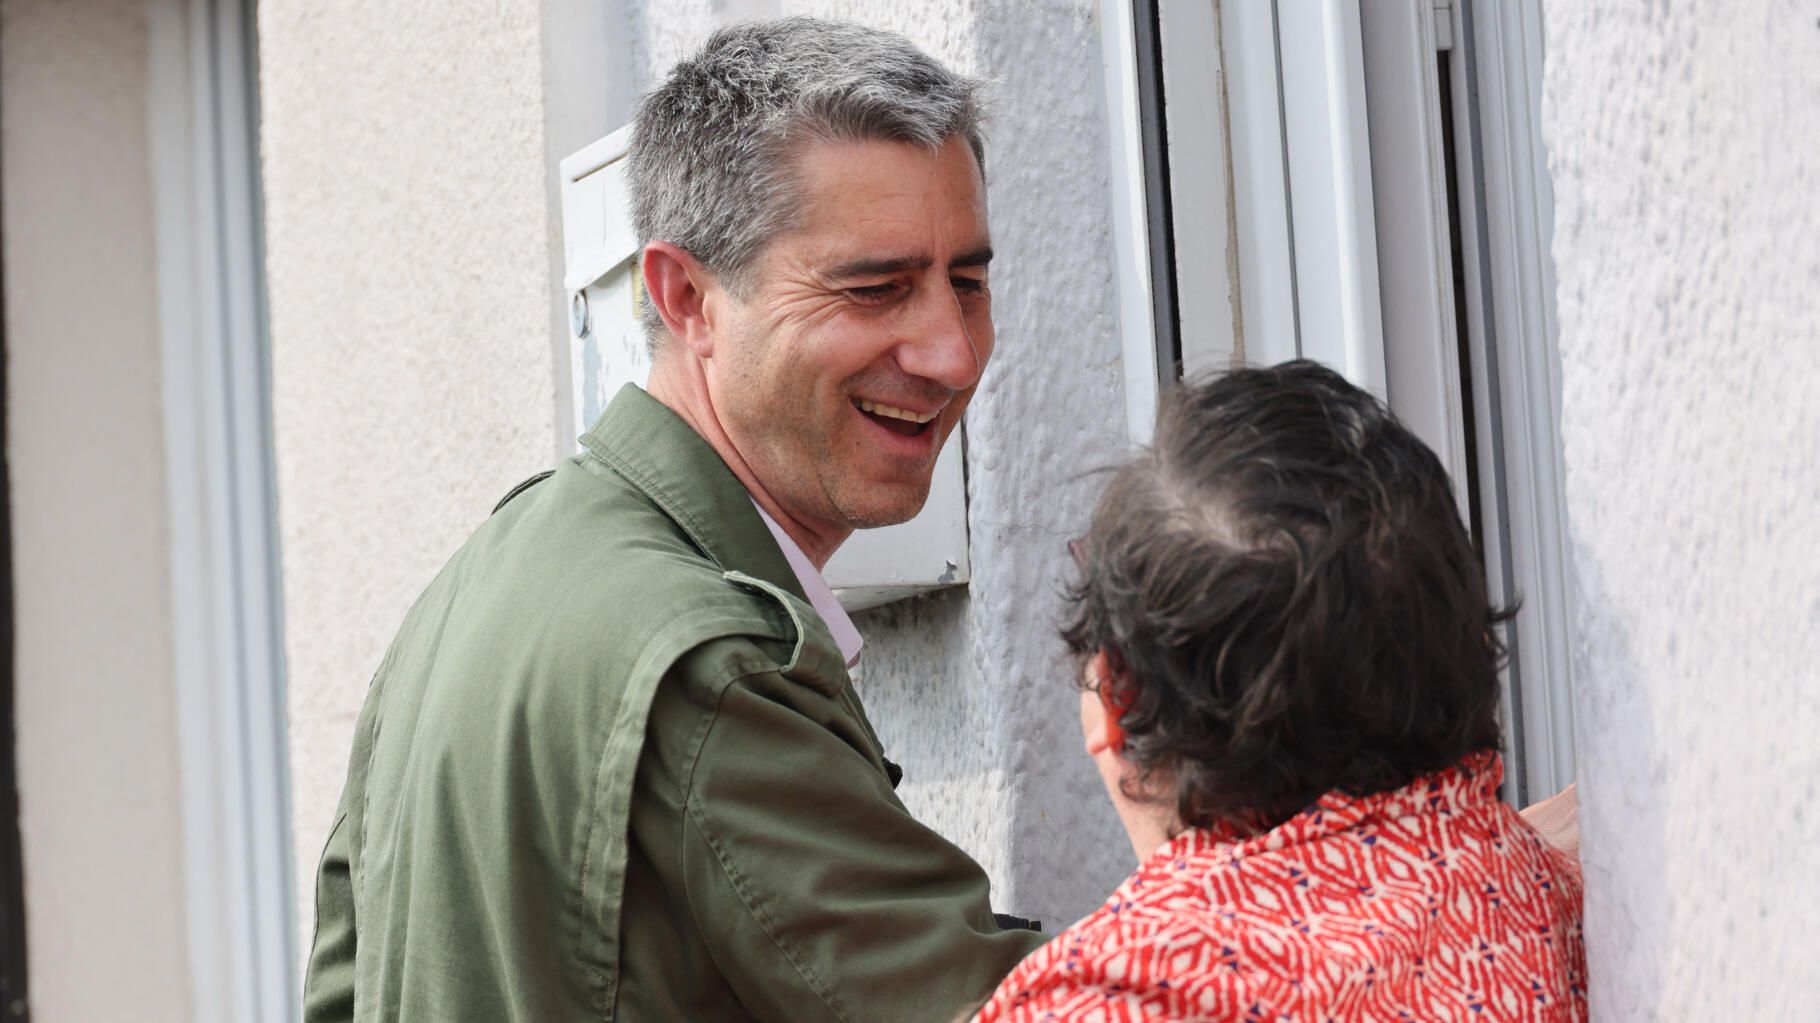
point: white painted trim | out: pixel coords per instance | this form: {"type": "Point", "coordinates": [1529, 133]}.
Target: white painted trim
{"type": "Point", "coordinates": [1329, 166]}
{"type": "Point", "coordinates": [1200, 193]}
{"type": "Point", "coordinates": [587, 89]}
{"type": "Point", "coordinates": [1415, 259]}
{"type": "Point", "coordinates": [1260, 191]}
{"type": "Point", "coordinates": [1301, 176]}
{"type": "Point", "coordinates": [587, 260]}
{"type": "Point", "coordinates": [1519, 223]}
{"type": "Point", "coordinates": [1130, 234]}
{"type": "Point", "coordinates": [224, 565]}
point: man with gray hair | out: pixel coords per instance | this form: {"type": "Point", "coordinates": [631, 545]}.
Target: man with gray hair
{"type": "Point", "coordinates": [614, 767]}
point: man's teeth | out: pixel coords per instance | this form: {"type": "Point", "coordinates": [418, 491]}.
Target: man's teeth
{"type": "Point", "coordinates": [894, 413]}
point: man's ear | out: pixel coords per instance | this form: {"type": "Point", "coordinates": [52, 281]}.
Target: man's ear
{"type": "Point", "coordinates": [677, 285]}
{"type": "Point", "coordinates": [1100, 713]}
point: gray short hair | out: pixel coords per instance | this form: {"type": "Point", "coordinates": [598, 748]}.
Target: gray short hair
{"type": "Point", "coordinates": [710, 158]}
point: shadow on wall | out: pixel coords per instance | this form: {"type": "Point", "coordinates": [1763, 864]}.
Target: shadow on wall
{"type": "Point", "coordinates": [922, 690]}
{"type": "Point", "coordinates": [915, 674]}
{"type": "Point", "coordinates": [994, 763]}
{"type": "Point", "coordinates": [1623, 813]}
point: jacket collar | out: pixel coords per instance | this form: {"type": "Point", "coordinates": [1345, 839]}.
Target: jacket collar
{"type": "Point", "coordinates": [660, 454]}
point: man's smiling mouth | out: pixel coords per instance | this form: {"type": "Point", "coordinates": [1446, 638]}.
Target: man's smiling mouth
{"type": "Point", "coordinates": [897, 420]}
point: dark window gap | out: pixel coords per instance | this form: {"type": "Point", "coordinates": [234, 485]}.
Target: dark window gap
{"type": "Point", "coordinates": [1474, 515]}
{"type": "Point", "coordinates": [1165, 312]}
{"type": "Point", "coordinates": [14, 993]}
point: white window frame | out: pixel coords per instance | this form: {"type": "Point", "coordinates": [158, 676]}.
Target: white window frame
{"type": "Point", "coordinates": [1130, 230]}
{"type": "Point", "coordinates": [1511, 302]}
{"type": "Point", "coordinates": [1247, 48]}
{"type": "Point", "coordinates": [1408, 159]}
{"type": "Point", "coordinates": [1504, 210]}
{"type": "Point", "coordinates": [1320, 193]}
{"type": "Point", "coordinates": [228, 650]}
{"type": "Point", "coordinates": [1201, 193]}
{"type": "Point", "coordinates": [1301, 168]}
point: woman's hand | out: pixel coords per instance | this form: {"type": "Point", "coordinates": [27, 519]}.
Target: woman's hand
{"type": "Point", "coordinates": [1557, 820]}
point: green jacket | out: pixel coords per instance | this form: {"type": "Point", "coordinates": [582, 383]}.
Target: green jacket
{"type": "Point", "coordinates": [613, 768]}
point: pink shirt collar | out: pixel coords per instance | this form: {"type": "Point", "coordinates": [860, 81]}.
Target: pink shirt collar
{"type": "Point", "coordinates": [821, 597]}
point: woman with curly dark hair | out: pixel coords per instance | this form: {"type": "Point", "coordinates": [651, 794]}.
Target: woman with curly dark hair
{"type": "Point", "coordinates": [1289, 683]}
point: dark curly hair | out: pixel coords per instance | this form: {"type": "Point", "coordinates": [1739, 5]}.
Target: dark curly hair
{"type": "Point", "coordinates": [1289, 602]}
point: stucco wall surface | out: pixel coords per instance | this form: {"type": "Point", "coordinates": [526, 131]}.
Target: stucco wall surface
{"type": "Point", "coordinates": [409, 272]}
{"type": "Point", "coordinates": [1684, 145]}
{"type": "Point", "coordinates": [94, 689]}
{"type": "Point", "coordinates": [969, 689]}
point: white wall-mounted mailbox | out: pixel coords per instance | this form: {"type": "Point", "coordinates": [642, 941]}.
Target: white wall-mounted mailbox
{"type": "Point", "coordinates": [607, 350]}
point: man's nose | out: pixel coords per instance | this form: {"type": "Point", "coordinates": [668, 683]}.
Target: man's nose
{"type": "Point", "coordinates": [942, 345]}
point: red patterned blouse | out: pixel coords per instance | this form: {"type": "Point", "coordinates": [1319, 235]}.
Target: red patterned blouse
{"type": "Point", "coordinates": [1432, 902]}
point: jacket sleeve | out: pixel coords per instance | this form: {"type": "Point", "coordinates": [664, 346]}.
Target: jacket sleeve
{"type": "Point", "coordinates": [818, 893]}
{"type": "Point", "coordinates": [328, 988]}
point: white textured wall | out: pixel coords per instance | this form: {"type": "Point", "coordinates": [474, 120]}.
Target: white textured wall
{"type": "Point", "coordinates": [410, 278]}
{"type": "Point", "coordinates": [95, 698]}
{"type": "Point", "coordinates": [969, 689]}
{"type": "Point", "coordinates": [1684, 144]}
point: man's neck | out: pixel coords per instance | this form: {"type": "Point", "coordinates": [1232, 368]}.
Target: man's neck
{"type": "Point", "coordinates": [681, 387]}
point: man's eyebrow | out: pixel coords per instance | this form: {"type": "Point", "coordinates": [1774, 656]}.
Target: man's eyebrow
{"type": "Point", "coordinates": [978, 257]}
{"type": "Point", "coordinates": [879, 266]}
{"type": "Point", "coordinates": [882, 266]}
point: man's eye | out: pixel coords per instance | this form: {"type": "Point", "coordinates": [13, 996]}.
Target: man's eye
{"type": "Point", "coordinates": [873, 293]}
{"type": "Point", "coordinates": [968, 285]}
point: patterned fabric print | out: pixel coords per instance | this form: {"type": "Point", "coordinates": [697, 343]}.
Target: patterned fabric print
{"type": "Point", "coordinates": [1432, 902]}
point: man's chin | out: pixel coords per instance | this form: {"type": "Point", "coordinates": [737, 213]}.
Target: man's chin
{"type": "Point", "coordinates": [885, 505]}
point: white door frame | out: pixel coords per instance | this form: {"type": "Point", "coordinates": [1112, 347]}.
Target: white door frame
{"type": "Point", "coordinates": [225, 606]}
